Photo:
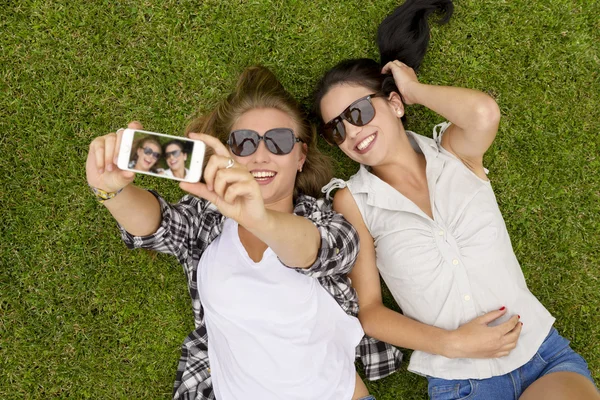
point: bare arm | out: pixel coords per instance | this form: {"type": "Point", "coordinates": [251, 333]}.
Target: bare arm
{"type": "Point", "coordinates": [294, 239]}
{"type": "Point", "coordinates": [135, 209]}
{"type": "Point", "coordinates": [474, 115]}
{"type": "Point", "coordinates": [473, 340]}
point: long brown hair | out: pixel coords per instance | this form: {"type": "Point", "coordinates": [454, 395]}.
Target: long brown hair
{"type": "Point", "coordinates": [139, 144]}
{"type": "Point", "coordinates": [258, 87]}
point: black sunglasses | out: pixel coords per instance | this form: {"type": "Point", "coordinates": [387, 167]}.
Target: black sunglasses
{"type": "Point", "coordinates": [174, 153]}
{"type": "Point", "coordinates": [359, 113]}
{"type": "Point", "coordinates": [148, 151]}
{"type": "Point", "coordinates": [279, 141]}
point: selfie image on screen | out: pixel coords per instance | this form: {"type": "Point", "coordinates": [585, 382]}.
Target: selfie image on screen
{"type": "Point", "coordinates": [160, 155]}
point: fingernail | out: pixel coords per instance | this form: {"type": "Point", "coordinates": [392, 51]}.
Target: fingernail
{"type": "Point", "coordinates": [100, 170]}
{"type": "Point", "coordinates": [502, 309]}
{"type": "Point", "coordinates": [109, 167]}
{"type": "Point", "coordinates": [519, 316]}
{"type": "Point", "coordinates": [521, 324]}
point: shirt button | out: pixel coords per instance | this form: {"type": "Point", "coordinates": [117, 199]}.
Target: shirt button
{"type": "Point", "coordinates": [455, 262]}
{"type": "Point", "coordinates": [337, 251]}
{"type": "Point", "coordinates": [467, 297]}
{"type": "Point", "coordinates": [441, 233]}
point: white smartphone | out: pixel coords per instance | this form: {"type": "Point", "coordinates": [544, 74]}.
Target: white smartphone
{"type": "Point", "coordinates": [165, 156]}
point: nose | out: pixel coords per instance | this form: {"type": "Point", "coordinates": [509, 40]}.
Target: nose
{"type": "Point", "coordinates": [352, 130]}
{"type": "Point", "coordinates": [262, 154]}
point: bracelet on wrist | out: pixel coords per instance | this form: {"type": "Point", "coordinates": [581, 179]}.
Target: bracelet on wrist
{"type": "Point", "coordinates": [103, 195]}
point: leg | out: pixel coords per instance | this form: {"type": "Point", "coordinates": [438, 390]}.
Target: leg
{"type": "Point", "coordinates": [360, 390]}
{"type": "Point", "coordinates": [561, 386]}
{"type": "Point", "coordinates": [558, 372]}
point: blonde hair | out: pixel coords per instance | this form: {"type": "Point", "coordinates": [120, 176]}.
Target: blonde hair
{"type": "Point", "coordinates": [140, 142]}
{"type": "Point", "coordinates": [258, 87]}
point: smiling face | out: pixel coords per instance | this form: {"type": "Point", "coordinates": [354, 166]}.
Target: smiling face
{"type": "Point", "coordinates": [372, 143]}
{"type": "Point", "coordinates": [146, 161]}
{"type": "Point", "coordinates": [276, 174]}
{"type": "Point", "coordinates": [175, 157]}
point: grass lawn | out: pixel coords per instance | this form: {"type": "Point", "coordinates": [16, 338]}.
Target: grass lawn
{"type": "Point", "coordinates": [83, 317]}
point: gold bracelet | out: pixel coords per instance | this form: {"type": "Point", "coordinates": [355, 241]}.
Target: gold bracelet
{"type": "Point", "coordinates": [103, 195]}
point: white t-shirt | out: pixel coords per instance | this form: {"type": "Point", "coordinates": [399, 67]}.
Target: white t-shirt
{"type": "Point", "coordinates": [448, 270]}
{"type": "Point", "coordinates": [272, 333]}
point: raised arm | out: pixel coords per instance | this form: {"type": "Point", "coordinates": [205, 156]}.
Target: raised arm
{"type": "Point", "coordinates": [295, 240]}
{"type": "Point", "coordinates": [472, 340]}
{"type": "Point", "coordinates": [474, 115]}
{"type": "Point", "coordinates": [135, 209]}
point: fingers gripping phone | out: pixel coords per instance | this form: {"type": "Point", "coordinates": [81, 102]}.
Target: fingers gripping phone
{"type": "Point", "coordinates": [165, 156]}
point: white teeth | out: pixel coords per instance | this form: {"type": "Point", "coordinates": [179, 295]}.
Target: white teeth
{"type": "Point", "coordinates": [362, 145]}
{"type": "Point", "coordinates": [263, 174]}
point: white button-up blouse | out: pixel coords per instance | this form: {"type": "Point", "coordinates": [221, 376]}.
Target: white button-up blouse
{"type": "Point", "coordinates": [448, 270]}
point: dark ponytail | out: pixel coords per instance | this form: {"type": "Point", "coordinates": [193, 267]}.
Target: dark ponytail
{"type": "Point", "coordinates": [403, 36]}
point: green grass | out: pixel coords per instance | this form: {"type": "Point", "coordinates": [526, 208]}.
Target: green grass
{"type": "Point", "coordinates": [83, 317]}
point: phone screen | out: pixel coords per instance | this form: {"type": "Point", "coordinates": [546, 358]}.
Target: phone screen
{"type": "Point", "coordinates": [162, 155]}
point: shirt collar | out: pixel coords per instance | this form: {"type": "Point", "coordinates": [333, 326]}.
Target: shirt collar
{"type": "Point", "coordinates": [388, 197]}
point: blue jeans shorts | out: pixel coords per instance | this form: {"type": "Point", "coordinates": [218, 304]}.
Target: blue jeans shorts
{"type": "Point", "coordinates": [554, 355]}
{"type": "Point", "coordinates": [369, 397]}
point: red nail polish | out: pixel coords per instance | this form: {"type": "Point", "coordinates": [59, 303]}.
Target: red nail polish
{"type": "Point", "coordinates": [502, 308]}
{"type": "Point", "coordinates": [519, 316]}
{"type": "Point", "coordinates": [521, 324]}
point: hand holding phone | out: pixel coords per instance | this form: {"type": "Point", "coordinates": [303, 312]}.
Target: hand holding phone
{"type": "Point", "coordinates": [229, 185]}
{"type": "Point", "coordinates": [165, 156]}
{"type": "Point", "coordinates": [101, 168]}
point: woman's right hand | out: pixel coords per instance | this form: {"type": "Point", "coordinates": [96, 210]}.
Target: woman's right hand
{"type": "Point", "coordinates": [229, 186]}
{"type": "Point", "coordinates": [476, 339]}
{"type": "Point", "coordinates": [101, 165]}
{"type": "Point", "coordinates": [404, 77]}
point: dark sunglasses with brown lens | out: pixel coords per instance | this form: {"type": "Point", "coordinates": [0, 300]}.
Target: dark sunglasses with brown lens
{"type": "Point", "coordinates": [279, 141]}
{"type": "Point", "coordinates": [148, 151]}
{"type": "Point", "coordinates": [359, 113]}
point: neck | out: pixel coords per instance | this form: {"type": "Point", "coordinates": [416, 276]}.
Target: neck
{"type": "Point", "coordinates": [179, 173]}
{"type": "Point", "coordinates": [402, 163]}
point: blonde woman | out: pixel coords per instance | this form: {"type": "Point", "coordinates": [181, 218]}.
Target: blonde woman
{"type": "Point", "coordinates": [266, 261]}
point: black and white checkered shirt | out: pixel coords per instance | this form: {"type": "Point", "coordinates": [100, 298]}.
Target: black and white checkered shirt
{"type": "Point", "coordinates": [190, 226]}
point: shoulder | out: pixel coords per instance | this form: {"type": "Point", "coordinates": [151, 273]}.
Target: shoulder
{"type": "Point", "coordinates": [198, 205]}
{"type": "Point", "coordinates": [306, 206]}
{"type": "Point", "coordinates": [321, 213]}
{"type": "Point", "coordinates": [193, 200]}
{"type": "Point", "coordinates": [344, 200]}
{"type": "Point", "coordinates": [345, 204]}
{"type": "Point", "coordinates": [360, 180]}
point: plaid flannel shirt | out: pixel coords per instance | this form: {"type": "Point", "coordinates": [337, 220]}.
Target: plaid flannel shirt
{"type": "Point", "coordinates": [190, 226]}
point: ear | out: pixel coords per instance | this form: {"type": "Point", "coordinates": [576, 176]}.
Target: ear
{"type": "Point", "coordinates": [302, 158]}
{"type": "Point", "coordinates": [396, 102]}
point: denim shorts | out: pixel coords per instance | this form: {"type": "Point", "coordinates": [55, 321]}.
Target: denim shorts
{"type": "Point", "coordinates": [369, 397]}
{"type": "Point", "coordinates": [554, 355]}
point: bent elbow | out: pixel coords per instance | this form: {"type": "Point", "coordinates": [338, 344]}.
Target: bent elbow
{"type": "Point", "coordinates": [488, 113]}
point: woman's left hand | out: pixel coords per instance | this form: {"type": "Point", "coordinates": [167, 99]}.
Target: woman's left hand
{"type": "Point", "coordinates": [404, 77]}
{"type": "Point", "coordinates": [229, 186]}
